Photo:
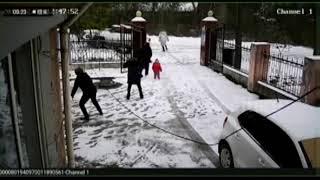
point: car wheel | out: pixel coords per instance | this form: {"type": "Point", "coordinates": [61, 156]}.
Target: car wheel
{"type": "Point", "coordinates": [226, 159]}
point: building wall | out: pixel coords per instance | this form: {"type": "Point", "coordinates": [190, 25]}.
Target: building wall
{"type": "Point", "coordinates": [48, 67]}
{"type": "Point", "coordinates": [39, 107]}
{"type": "Point", "coordinates": [15, 31]}
{"type": "Point", "coordinates": [24, 86]}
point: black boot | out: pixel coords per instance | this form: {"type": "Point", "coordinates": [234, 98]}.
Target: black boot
{"type": "Point", "coordinates": [85, 118]}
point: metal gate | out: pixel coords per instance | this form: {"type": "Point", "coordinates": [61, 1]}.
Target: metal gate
{"type": "Point", "coordinates": [216, 48]}
{"type": "Point", "coordinates": [129, 35]}
{"type": "Point", "coordinates": [126, 44]}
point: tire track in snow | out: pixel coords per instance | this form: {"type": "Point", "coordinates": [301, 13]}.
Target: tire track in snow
{"type": "Point", "coordinates": [206, 150]}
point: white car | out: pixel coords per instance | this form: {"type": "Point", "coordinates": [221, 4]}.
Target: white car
{"type": "Point", "coordinates": [289, 138]}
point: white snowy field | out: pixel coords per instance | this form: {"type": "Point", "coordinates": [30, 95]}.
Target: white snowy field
{"type": "Point", "coordinates": [186, 92]}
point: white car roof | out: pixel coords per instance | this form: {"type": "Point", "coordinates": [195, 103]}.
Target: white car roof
{"type": "Point", "coordinates": [299, 120]}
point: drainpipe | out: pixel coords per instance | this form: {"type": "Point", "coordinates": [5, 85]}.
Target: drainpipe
{"type": "Point", "coordinates": [64, 43]}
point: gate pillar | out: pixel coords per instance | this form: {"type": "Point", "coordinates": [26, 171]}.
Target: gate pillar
{"type": "Point", "coordinates": [208, 38]}
{"type": "Point", "coordinates": [311, 79]}
{"type": "Point", "coordinates": [138, 31]}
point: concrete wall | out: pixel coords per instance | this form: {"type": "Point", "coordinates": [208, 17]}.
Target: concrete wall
{"type": "Point", "coordinates": [268, 92]}
{"type": "Point", "coordinates": [235, 75]}
{"type": "Point", "coordinates": [263, 90]}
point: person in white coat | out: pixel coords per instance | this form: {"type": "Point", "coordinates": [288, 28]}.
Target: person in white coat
{"type": "Point", "coordinates": [163, 39]}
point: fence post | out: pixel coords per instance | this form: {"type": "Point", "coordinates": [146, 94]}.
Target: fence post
{"type": "Point", "coordinates": [258, 66]}
{"type": "Point", "coordinates": [139, 37]}
{"type": "Point", "coordinates": [311, 79]}
{"type": "Point", "coordinates": [207, 25]}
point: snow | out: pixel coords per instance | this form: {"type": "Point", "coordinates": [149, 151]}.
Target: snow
{"type": "Point", "coordinates": [110, 35]}
{"type": "Point", "coordinates": [186, 92]}
{"type": "Point", "coordinates": [187, 6]}
{"type": "Point", "coordinates": [315, 58]}
{"type": "Point", "coordinates": [286, 76]}
{"type": "Point", "coordinates": [236, 71]}
{"type": "Point", "coordinates": [278, 90]}
{"type": "Point", "coordinates": [210, 19]}
{"type": "Point", "coordinates": [138, 19]}
{"type": "Point", "coordinates": [299, 120]}
{"type": "Point", "coordinates": [126, 26]}
{"type": "Point", "coordinates": [260, 43]}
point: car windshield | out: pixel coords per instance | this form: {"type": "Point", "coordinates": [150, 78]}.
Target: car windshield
{"type": "Point", "coordinates": [311, 148]}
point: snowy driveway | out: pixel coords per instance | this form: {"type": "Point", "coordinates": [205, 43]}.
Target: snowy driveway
{"type": "Point", "coordinates": [179, 103]}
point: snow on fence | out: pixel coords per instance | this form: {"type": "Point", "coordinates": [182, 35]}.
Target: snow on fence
{"type": "Point", "coordinates": [85, 51]}
{"type": "Point", "coordinates": [245, 55]}
{"type": "Point", "coordinates": [285, 74]}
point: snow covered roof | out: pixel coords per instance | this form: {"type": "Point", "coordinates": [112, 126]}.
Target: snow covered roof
{"type": "Point", "coordinates": [300, 121]}
{"type": "Point", "coordinates": [125, 26]}
{"type": "Point", "coordinates": [260, 43]}
{"type": "Point", "coordinates": [138, 19]}
{"type": "Point", "coordinates": [316, 58]}
{"type": "Point", "coordinates": [209, 19]}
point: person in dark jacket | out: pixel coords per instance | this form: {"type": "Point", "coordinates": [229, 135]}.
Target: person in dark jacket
{"type": "Point", "coordinates": [134, 75]}
{"type": "Point", "coordinates": [89, 91]}
{"type": "Point", "coordinates": [138, 55]}
{"type": "Point", "coordinates": [147, 54]}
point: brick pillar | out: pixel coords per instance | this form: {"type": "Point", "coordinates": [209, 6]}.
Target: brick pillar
{"type": "Point", "coordinates": [208, 47]}
{"type": "Point", "coordinates": [258, 64]}
{"type": "Point", "coordinates": [139, 31]}
{"type": "Point", "coordinates": [311, 79]}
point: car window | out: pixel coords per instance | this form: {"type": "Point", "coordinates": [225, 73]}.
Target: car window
{"type": "Point", "coordinates": [271, 138]}
{"type": "Point", "coordinates": [311, 150]}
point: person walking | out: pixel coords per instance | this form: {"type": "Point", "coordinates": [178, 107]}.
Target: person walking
{"type": "Point", "coordinates": [134, 75]}
{"type": "Point", "coordinates": [147, 54]}
{"type": "Point", "coordinates": [156, 67]}
{"type": "Point", "coordinates": [163, 39]}
{"type": "Point", "coordinates": [89, 91]}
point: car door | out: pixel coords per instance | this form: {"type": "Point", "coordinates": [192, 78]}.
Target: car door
{"type": "Point", "coordinates": [247, 150]}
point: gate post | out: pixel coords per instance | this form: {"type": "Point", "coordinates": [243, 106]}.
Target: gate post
{"type": "Point", "coordinates": [207, 25]}
{"type": "Point", "coordinates": [311, 79]}
{"type": "Point", "coordinates": [259, 64]}
{"type": "Point", "coordinates": [138, 31]}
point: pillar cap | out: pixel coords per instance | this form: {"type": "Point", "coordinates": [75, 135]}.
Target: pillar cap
{"type": "Point", "coordinates": [138, 17]}
{"type": "Point", "coordinates": [314, 58]}
{"type": "Point", "coordinates": [210, 17]}
{"type": "Point", "coordinates": [260, 43]}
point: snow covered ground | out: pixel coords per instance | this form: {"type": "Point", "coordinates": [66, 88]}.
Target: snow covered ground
{"type": "Point", "coordinates": [186, 94]}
